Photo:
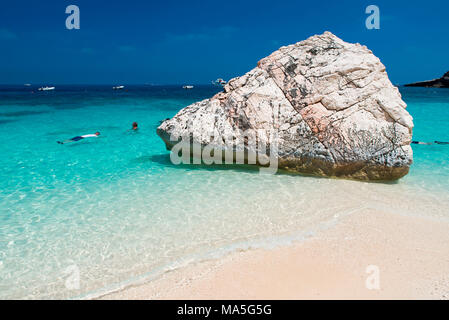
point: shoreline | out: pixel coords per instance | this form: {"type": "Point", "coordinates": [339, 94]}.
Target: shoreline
{"type": "Point", "coordinates": [214, 256]}
{"type": "Point", "coordinates": [410, 254]}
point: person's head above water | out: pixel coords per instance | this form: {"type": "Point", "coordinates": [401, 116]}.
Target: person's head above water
{"type": "Point", "coordinates": [97, 133]}
{"type": "Point", "coordinates": [134, 125]}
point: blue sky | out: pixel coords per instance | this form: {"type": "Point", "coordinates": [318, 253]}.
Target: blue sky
{"type": "Point", "coordinates": [164, 42]}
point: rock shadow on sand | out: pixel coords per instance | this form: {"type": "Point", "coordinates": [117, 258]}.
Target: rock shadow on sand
{"type": "Point", "coordinates": [164, 160]}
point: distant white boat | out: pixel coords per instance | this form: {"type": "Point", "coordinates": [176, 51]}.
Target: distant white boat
{"type": "Point", "coordinates": [118, 87]}
{"type": "Point", "coordinates": [187, 87]}
{"type": "Point", "coordinates": [46, 88]}
{"type": "Point", "coordinates": [27, 85]}
{"type": "Point", "coordinates": [219, 82]}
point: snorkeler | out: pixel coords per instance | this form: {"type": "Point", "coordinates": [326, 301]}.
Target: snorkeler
{"type": "Point", "coordinates": [77, 138]}
{"type": "Point", "coordinates": [420, 142]}
{"type": "Point", "coordinates": [436, 142]}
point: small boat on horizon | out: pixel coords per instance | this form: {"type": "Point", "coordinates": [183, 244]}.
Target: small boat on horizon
{"type": "Point", "coordinates": [187, 87]}
{"type": "Point", "coordinates": [219, 82]}
{"type": "Point", "coordinates": [46, 88]}
{"type": "Point", "coordinates": [118, 87]}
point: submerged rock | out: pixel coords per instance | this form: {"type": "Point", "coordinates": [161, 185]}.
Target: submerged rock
{"type": "Point", "coordinates": [442, 82]}
{"type": "Point", "coordinates": [331, 104]}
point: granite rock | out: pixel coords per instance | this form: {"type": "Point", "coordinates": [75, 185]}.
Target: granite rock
{"type": "Point", "coordinates": [333, 109]}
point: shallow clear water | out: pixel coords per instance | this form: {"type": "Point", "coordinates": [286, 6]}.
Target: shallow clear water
{"type": "Point", "coordinates": [115, 209]}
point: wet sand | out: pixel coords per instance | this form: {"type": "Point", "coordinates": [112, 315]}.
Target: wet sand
{"type": "Point", "coordinates": [367, 255]}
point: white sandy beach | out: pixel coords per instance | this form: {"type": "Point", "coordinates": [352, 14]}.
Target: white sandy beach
{"type": "Point", "coordinates": [411, 253]}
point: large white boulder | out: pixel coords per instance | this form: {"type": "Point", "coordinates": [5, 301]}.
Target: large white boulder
{"type": "Point", "coordinates": [330, 103]}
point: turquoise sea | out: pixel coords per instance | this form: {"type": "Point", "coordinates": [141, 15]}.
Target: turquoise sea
{"type": "Point", "coordinates": [112, 211]}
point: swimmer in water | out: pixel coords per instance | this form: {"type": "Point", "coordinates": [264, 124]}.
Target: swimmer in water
{"type": "Point", "coordinates": [436, 142]}
{"type": "Point", "coordinates": [78, 138]}
{"type": "Point", "coordinates": [135, 127]}
{"type": "Point", "coordinates": [420, 142]}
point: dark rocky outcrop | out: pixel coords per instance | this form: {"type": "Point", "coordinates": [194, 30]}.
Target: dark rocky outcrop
{"type": "Point", "coordinates": [443, 82]}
